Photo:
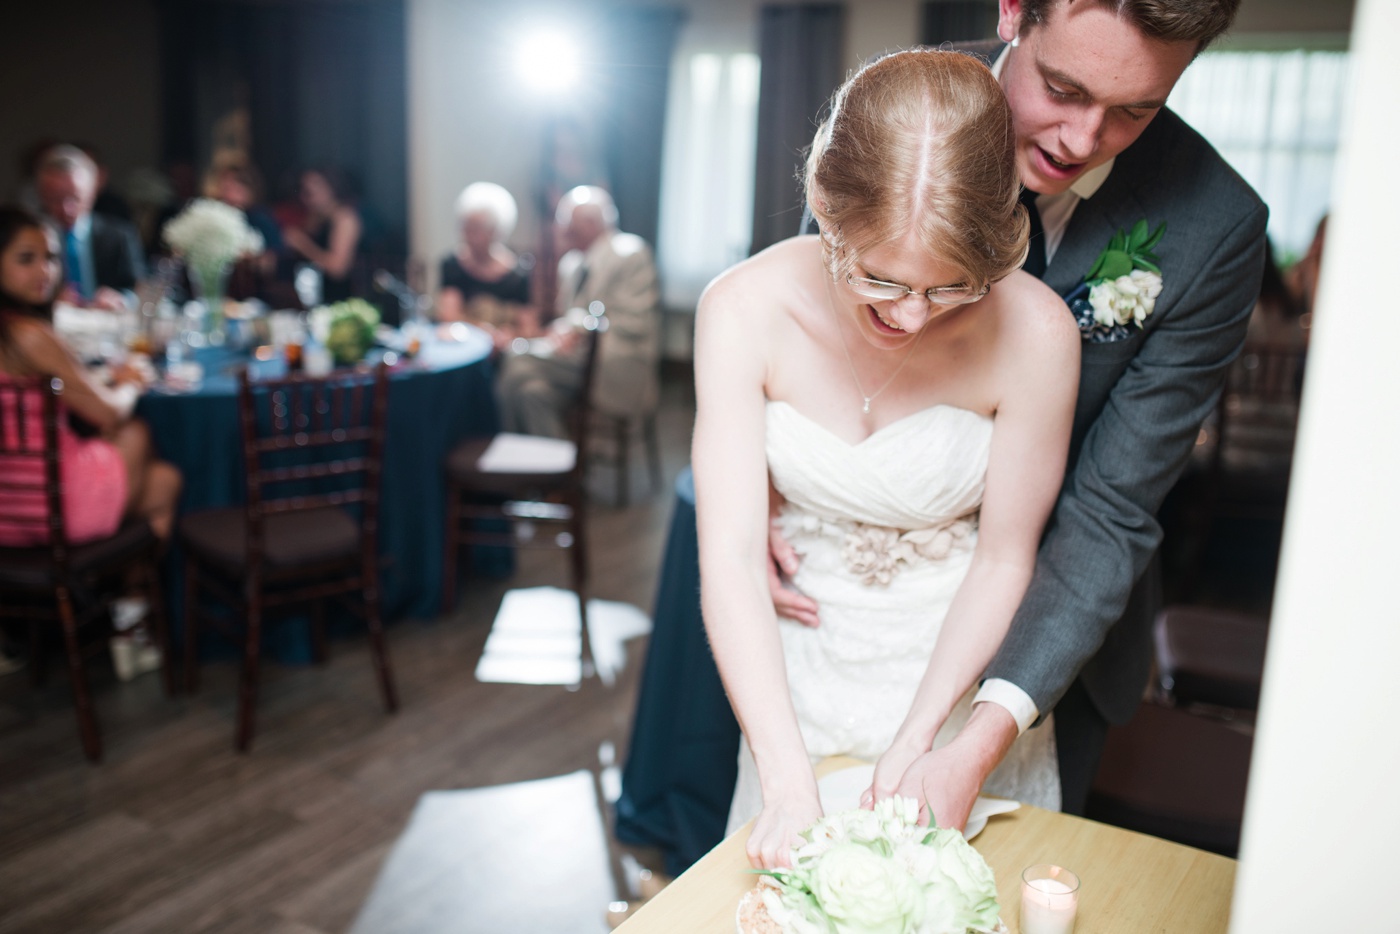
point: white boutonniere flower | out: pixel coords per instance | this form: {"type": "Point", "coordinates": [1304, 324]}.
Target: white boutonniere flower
{"type": "Point", "coordinates": [1120, 291]}
{"type": "Point", "coordinates": [1126, 300]}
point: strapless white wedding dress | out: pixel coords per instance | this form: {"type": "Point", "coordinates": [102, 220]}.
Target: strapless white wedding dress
{"type": "Point", "coordinates": [886, 530]}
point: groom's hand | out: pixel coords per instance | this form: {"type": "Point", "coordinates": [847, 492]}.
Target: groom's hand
{"type": "Point", "coordinates": [783, 562]}
{"type": "Point", "coordinates": [947, 780]}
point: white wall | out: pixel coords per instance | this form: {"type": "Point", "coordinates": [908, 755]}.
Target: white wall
{"type": "Point", "coordinates": [81, 70]}
{"type": "Point", "coordinates": [1322, 818]}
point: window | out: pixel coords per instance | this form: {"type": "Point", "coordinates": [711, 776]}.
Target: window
{"type": "Point", "coordinates": [1275, 117]}
{"type": "Point", "coordinates": [707, 171]}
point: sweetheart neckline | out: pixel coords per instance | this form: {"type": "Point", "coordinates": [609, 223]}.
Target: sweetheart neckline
{"type": "Point", "coordinates": [883, 428]}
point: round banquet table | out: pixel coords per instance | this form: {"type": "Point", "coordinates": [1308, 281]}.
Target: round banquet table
{"type": "Point", "coordinates": [442, 397]}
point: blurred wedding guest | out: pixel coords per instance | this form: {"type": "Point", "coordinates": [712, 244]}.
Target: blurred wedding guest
{"type": "Point", "coordinates": [483, 281]}
{"type": "Point", "coordinates": [107, 203]}
{"type": "Point", "coordinates": [1277, 320]}
{"type": "Point", "coordinates": [182, 182]}
{"type": "Point", "coordinates": [1303, 275]}
{"type": "Point", "coordinates": [240, 186]}
{"type": "Point", "coordinates": [601, 265]}
{"type": "Point", "coordinates": [330, 233]}
{"type": "Point", "coordinates": [105, 478]}
{"type": "Point", "coordinates": [150, 194]}
{"type": "Point", "coordinates": [102, 256]}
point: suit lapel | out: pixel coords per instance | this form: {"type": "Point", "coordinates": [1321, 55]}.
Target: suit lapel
{"type": "Point", "coordinates": [1095, 220]}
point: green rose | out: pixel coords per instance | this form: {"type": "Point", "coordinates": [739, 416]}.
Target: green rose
{"type": "Point", "coordinates": [860, 890]}
{"type": "Point", "coordinates": [966, 872]}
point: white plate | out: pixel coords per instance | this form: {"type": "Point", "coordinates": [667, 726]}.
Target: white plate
{"type": "Point", "coordinates": [841, 791]}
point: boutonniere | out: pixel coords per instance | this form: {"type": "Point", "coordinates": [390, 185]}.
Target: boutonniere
{"type": "Point", "coordinates": [1122, 286]}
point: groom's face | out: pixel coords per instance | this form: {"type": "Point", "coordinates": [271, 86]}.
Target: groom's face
{"type": "Point", "coordinates": [1083, 84]}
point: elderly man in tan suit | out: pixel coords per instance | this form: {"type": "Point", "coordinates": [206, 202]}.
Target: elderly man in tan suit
{"type": "Point", "coordinates": [602, 265]}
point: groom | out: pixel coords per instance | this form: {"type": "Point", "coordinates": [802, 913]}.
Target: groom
{"type": "Point", "coordinates": [1087, 81]}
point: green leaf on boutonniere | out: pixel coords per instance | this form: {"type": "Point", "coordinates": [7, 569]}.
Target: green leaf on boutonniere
{"type": "Point", "coordinates": [1138, 237]}
{"type": "Point", "coordinates": [1156, 237]}
{"type": "Point", "coordinates": [1127, 251]}
{"type": "Point", "coordinates": [1115, 263]}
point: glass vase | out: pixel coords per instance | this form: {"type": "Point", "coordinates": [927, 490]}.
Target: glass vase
{"type": "Point", "coordinates": [209, 283]}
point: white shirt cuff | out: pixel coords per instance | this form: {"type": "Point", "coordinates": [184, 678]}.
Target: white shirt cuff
{"type": "Point", "coordinates": [1016, 701]}
{"type": "Point", "coordinates": [124, 399]}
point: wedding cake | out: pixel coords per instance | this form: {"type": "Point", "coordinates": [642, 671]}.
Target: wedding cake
{"type": "Point", "coordinates": [876, 871]}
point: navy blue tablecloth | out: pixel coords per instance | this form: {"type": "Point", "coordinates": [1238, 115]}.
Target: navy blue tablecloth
{"type": "Point", "coordinates": [442, 398]}
{"type": "Point", "coordinates": [683, 758]}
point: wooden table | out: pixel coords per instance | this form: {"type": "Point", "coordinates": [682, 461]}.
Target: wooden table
{"type": "Point", "coordinates": [1130, 882]}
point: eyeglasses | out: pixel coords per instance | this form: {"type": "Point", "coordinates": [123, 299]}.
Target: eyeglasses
{"type": "Point", "coordinates": [893, 291]}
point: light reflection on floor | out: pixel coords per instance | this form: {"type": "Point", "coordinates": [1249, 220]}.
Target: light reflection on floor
{"type": "Point", "coordinates": [535, 638]}
{"type": "Point", "coordinates": [529, 858]}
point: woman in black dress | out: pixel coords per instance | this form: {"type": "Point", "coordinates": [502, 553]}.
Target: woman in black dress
{"type": "Point", "coordinates": [329, 236]}
{"type": "Point", "coordinates": [483, 281]}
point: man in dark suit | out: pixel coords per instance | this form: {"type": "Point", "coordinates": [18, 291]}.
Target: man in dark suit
{"type": "Point", "coordinates": [1098, 151]}
{"type": "Point", "coordinates": [101, 255]}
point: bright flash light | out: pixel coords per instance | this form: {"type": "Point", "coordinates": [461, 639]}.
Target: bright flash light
{"type": "Point", "coordinates": [548, 62]}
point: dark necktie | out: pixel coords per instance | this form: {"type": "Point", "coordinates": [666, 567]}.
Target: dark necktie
{"type": "Point", "coordinates": [1035, 259]}
{"type": "Point", "coordinates": [581, 281]}
{"type": "Point", "coordinates": [73, 262]}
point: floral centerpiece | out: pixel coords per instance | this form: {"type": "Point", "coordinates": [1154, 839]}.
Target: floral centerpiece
{"type": "Point", "coordinates": [210, 236]}
{"type": "Point", "coordinates": [346, 328]}
{"type": "Point", "coordinates": [876, 872]}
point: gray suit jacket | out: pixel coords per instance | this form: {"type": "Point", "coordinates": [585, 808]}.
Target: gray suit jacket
{"type": "Point", "coordinates": [117, 259]}
{"type": "Point", "coordinates": [1141, 404]}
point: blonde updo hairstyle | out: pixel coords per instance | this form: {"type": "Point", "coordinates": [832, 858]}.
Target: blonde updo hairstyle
{"type": "Point", "coordinates": [920, 141]}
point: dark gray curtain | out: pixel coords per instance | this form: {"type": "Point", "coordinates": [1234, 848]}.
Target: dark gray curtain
{"type": "Point", "coordinates": [957, 21]}
{"type": "Point", "coordinates": [635, 73]}
{"type": "Point", "coordinates": [800, 52]}
{"type": "Point", "coordinates": [322, 81]}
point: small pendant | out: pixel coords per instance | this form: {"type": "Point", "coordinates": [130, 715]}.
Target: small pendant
{"type": "Point", "coordinates": [866, 408]}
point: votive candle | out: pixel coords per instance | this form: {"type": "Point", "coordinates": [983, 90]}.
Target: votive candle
{"type": "Point", "coordinates": [1049, 900]}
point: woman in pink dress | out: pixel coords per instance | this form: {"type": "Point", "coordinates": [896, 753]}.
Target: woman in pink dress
{"type": "Point", "coordinates": [105, 478]}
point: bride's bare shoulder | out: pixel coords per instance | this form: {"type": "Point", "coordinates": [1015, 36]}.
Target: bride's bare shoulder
{"type": "Point", "coordinates": [764, 280]}
{"type": "Point", "coordinates": [1036, 319]}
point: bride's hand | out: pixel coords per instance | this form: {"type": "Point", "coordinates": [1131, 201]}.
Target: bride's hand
{"type": "Point", "coordinates": [777, 830]}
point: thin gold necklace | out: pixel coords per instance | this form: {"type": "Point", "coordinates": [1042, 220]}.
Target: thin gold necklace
{"type": "Point", "coordinates": [855, 377]}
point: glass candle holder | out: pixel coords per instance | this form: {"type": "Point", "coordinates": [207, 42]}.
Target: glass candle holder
{"type": "Point", "coordinates": [1049, 900]}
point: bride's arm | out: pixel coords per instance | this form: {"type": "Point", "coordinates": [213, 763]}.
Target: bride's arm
{"type": "Point", "coordinates": [731, 498]}
{"type": "Point", "coordinates": [1038, 372]}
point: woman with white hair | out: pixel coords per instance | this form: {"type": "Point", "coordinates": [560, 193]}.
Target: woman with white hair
{"type": "Point", "coordinates": [483, 281]}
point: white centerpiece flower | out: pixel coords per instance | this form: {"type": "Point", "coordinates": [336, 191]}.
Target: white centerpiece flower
{"type": "Point", "coordinates": [210, 236]}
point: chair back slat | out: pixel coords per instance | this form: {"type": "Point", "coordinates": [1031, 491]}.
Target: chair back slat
{"type": "Point", "coordinates": [31, 494]}
{"type": "Point", "coordinates": [272, 475]}
{"type": "Point", "coordinates": [312, 442]}
{"type": "Point", "coordinates": [305, 503]}
{"type": "Point", "coordinates": [287, 442]}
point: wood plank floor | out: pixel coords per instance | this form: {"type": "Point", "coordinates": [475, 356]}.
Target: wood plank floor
{"type": "Point", "coordinates": [175, 832]}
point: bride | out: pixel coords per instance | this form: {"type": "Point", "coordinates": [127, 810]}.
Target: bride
{"type": "Point", "coordinates": [909, 395]}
